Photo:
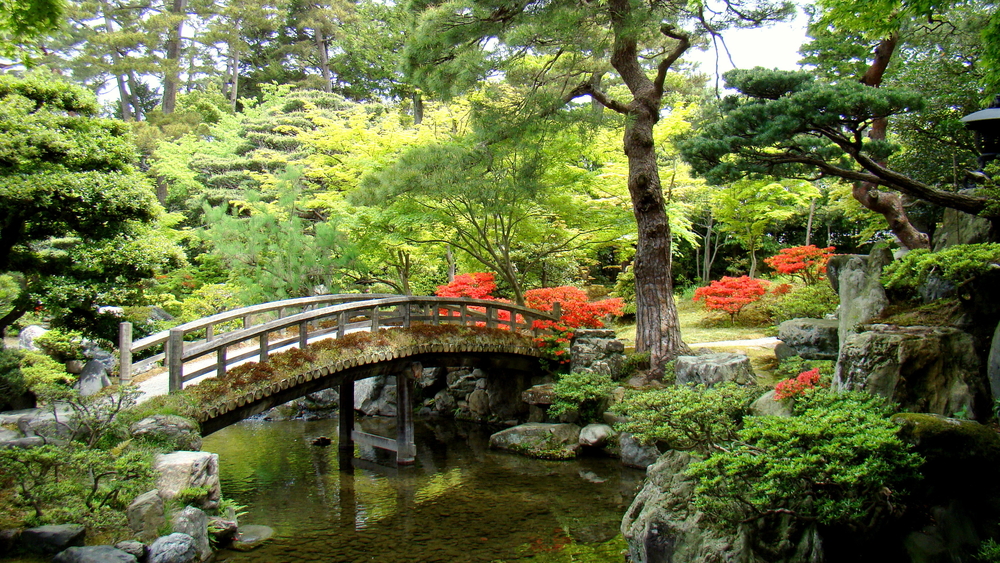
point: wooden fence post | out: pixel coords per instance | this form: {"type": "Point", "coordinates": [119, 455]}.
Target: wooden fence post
{"type": "Point", "coordinates": [124, 353]}
{"type": "Point", "coordinates": [263, 348]}
{"type": "Point", "coordinates": [175, 360]}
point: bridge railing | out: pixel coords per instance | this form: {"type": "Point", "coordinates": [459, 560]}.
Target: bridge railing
{"type": "Point", "coordinates": [216, 325]}
{"type": "Point", "coordinates": [347, 316]}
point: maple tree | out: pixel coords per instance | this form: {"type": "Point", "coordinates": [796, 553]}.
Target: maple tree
{"type": "Point", "coordinates": [577, 310]}
{"type": "Point", "coordinates": [806, 262]}
{"type": "Point", "coordinates": [731, 294]}
{"type": "Point", "coordinates": [478, 285]}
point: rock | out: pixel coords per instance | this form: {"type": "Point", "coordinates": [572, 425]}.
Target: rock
{"type": "Point", "coordinates": [479, 403]}
{"type": "Point", "coordinates": [175, 548]}
{"type": "Point", "coordinates": [366, 394]}
{"type": "Point", "coordinates": [957, 227]}
{"type": "Point", "coordinates": [431, 378]}
{"type": "Point", "coordinates": [444, 403]}
{"type": "Point", "coordinates": [766, 405]}
{"type": "Point", "coordinates": [52, 538]}
{"type": "Point", "coordinates": [634, 454]}
{"type": "Point", "coordinates": [660, 526]}
{"type": "Point", "coordinates": [93, 378]}
{"type": "Point", "coordinates": [134, 548]}
{"type": "Point", "coordinates": [50, 425]}
{"type": "Point", "coordinates": [194, 523]}
{"type": "Point", "coordinates": [158, 314]}
{"type": "Point", "coordinates": [94, 554]}
{"type": "Point", "coordinates": [714, 368]}
{"type": "Point", "coordinates": [322, 400]}
{"type": "Point", "coordinates": [92, 351]}
{"type": "Point", "coordinates": [179, 432]}
{"type": "Point", "coordinates": [222, 531]}
{"type": "Point", "coordinates": [504, 390]}
{"type": "Point", "coordinates": [935, 287]}
{"type": "Point", "coordinates": [146, 515]}
{"type": "Point", "coordinates": [25, 443]}
{"type": "Point", "coordinates": [251, 537]}
{"type": "Point", "coordinates": [187, 470]}
{"type": "Point", "coordinates": [543, 395]}
{"type": "Point", "coordinates": [993, 364]}
{"type": "Point", "coordinates": [596, 435]}
{"type": "Point", "coordinates": [539, 440]}
{"type": "Point", "coordinates": [862, 297]}
{"type": "Point", "coordinates": [26, 338]}
{"type": "Point", "coordinates": [924, 369]}
{"type": "Point", "coordinates": [597, 351]}
{"type": "Point", "coordinates": [8, 435]}
{"type": "Point", "coordinates": [811, 339]}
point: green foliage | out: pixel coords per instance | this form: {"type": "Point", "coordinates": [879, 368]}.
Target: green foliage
{"type": "Point", "coordinates": [12, 383]}
{"type": "Point", "coordinates": [814, 301]}
{"type": "Point", "coordinates": [794, 365]}
{"type": "Point", "coordinates": [837, 461]}
{"type": "Point", "coordinates": [989, 552]}
{"type": "Point", "coordinates": [41, 372]}
{"type": "Point", "coordinates": [956, 264]}
{"type": "Point", "coordinates": [584, 393]}
{"type": "Point", "coordinates": [78, 223]}
{"type": "Point", "coordinates": [634, 362]}
{"type": "Point", "coordinates": [62, 345]}
{"type": "Point", "coordinates": [625, 290]}
{"type": "Point", "coordinates": [190, 495]}
{"type": "Point", "coordinates": [685, 417]}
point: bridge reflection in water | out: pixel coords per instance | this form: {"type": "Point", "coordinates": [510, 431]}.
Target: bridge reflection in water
{"type": "Point", "coordinates": [460, 501]}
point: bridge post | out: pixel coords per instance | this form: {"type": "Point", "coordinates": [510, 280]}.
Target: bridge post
{"type": "Point", "coordinates": [406, 449]}
{"type": "Point", "coordinates": [124, 352]}
{"type": "Point", "coordinates": [175, 360]}
{"type": "Point", "coordinates": [346, 443]}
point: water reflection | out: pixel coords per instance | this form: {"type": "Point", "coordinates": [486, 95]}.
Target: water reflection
{"type": "Point", "coordinates": [460, 501]}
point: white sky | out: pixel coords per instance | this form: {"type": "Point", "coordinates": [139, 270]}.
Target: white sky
{"type": "Point", "coordinates": [772, 47]}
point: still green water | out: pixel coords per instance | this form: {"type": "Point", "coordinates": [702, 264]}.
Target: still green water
{"type": "Point", "coordinates": [460, 502]}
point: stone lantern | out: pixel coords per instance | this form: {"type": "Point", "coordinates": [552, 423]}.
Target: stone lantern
{"type": "Point", "coordinates": [985, 125]}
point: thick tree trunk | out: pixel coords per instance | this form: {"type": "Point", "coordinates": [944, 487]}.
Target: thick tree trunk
{"type": "Point", "coordinates": [657, 327]}
{"type": "Point", "coordinates": [888, 204]}
{"type": "Point", "coordinates": [171, 77]}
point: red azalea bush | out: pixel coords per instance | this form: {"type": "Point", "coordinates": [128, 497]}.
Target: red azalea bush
{"type": "Point", "coordinates": [807, 262]}
{"type": "Point", "coordinates": [796, 386]}
{"type": "Point", "coordinates": [577, 311]}
{"type": "Point", "coordinates": [479, 285]}
{"type": "Point", "coordinates": [731, 294]}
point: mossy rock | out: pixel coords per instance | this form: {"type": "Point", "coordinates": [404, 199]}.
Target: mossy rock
{"type": "Point", "coordinates": [961, 455]}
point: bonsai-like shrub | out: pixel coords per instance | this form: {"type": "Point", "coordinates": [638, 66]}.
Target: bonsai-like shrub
{"type": "Point", "coordinates": [584, 393]}
{"type": "Point", "coordinates": [63, 346]}
{"type": "Point", "coordinates": [731, 294]}
{"type": "Point", "coordinates": [837, 461]}
{"type": "Point", "coordinates": [957, 264]}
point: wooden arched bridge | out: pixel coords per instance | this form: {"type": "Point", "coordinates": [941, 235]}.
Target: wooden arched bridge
{"type": "Point", "coordinates": [212, 345]}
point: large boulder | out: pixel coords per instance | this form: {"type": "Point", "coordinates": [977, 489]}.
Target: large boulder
{"type": "Point", "coordinates": [539, 440]}
{"type": "Point", "coordinates": [175, 548]}
{"type": "Point", "coordinates": [768, 405]}
{"type": "Point", "coordinates": [93, 378]}
{"type": "Point", "coordinates": [194, 523]}
{"type": "Point", "coordinates": [714, 368]}
{"type": "Point", "coordinates": [177, 432]}
{"type": "Point", "coordinates": [94, 554]}
{"type": "Point", "coordinates": [957, 227]}
{"type": "Point", "coordinates": [924, 369]}
{"type": "Point", "coordinates": [369, 396]}
{"type": "Point", "coordinates": [662, 526]}
{"type": "Point", "coordinates": [52, 538]}
{"type": "Point", "coordinates": [634, 454]}
{"type": "Point", "coordinates": [596, 435]}
{"type": "Point", "coordinates": [26, 338]}
{"type": "Point", "coordinates": [597, 351]}
{"type": "Point", "coordinates": [862, 297]}
{"type": "Point", "coordinates": [811, 339]}
{"type": "Point", "coordinates": [146, 515]}
{"type": "Point", "coordinates": [179, 471]}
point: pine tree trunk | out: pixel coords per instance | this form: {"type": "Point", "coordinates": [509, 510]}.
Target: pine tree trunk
{"type": "Point", "coordinates": [324, 61]}
{"type": "Point", "coordinates": [418, 108]}
{"type": "Point", "coordinates": [234, 79]}
{"type": "Point", "coordinates": [171, 76]}
{"type": "Point", "coordinates": [888, 204]}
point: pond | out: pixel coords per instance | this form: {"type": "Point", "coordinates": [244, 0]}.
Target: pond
{"type": "Point", "coordinates": [460, 501]}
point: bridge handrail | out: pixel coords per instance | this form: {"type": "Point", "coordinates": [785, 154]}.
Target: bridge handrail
{"type": "Point", "coordinates": [178, 352]}
{"type": "Point", "coordinates": [127, 347]}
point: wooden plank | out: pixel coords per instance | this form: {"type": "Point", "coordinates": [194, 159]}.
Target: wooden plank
{"type": "Point", "coordinates": [375, 441]}
{"type": "Point", "coordinates": [263, 348]}
{"type": "Point", "coordinates": [220, 362]}
{"type": "Point", "coordinates": [125, 352]}
{"type": "Point", "coordinates": [303, 335]}
{"type": "Point", "coordinates": [175, 360]}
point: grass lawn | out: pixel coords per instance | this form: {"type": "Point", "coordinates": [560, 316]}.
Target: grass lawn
{"type": "Point", "coordinates": [698, 326]}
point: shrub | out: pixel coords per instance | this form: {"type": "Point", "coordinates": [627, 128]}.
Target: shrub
{"type": "Point", "coordinates": [731, 294]}
{"type": "Point", "coordinates": [686, 417]}
{"type": "Point", "coordinates": [798, 385]}
{"type": "Point", "coordinates": [956, 264]}
{"type": "Point", "coordinates": [41, 371]}
{"type": "Point", "coordinates": [806, 262]}
{"type": "Point", "coordinates": [794, 365]}
{"type": "Point", "coordinates": [477, 286]}
{"type": "Point", "coordinates": [577, 311]}
{"type": "Point", "coordinates": [12, 383]}
{"type": "Point", "coordinates": [805, 301]}
{"type": "Point", "coordinates": [625, 290]}
{"type": "Point", "coordinates": [837, 461]}
{"type": "Point", "coordinates": [62, 345]}
{"type": "Point", "coordinates": [584, 393]}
